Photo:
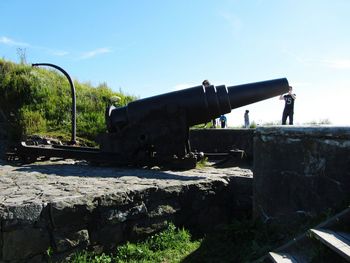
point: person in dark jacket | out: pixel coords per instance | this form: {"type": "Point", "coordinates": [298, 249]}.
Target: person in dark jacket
{"type": "Point", "coordinates": [288, 111]}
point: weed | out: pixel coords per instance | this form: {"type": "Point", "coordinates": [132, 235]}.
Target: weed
{"type": "Point", "coordinates": [202, 163]}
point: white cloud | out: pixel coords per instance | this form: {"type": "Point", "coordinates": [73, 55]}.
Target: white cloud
{"type": "Point", "coordinates": [94, 53]}
{"type": "Point", "coordinates": [11, 42]}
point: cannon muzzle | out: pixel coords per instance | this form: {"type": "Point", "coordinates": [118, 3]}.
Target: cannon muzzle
{"type": "Point", "coordinates": [246, 94]}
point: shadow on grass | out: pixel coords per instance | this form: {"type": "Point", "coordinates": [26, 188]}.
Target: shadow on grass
{"type": "Point", "coordinates": [249, 240]}
{"type": "Point", "coordinates": [242, 241]}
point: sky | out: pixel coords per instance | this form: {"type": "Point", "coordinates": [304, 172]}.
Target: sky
{"type": "Point", "coordinates": [146, 48]}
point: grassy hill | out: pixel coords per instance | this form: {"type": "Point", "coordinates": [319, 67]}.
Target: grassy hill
{"type": "Point", "coordinates": [38, 101]}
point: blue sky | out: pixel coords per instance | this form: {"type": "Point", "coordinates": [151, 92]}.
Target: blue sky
{"type": "Point", "coordinates": [151, 47]}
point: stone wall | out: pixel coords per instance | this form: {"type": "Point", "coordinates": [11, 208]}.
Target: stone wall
{"type": "Point", "coordinates": [300, 171]}
{"type": "Point", "coordinates": [65, 208]}
{"type": "Point", "coordinates": [222, 140]}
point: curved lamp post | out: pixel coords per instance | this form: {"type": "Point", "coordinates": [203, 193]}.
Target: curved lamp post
{"type": "Point", "coordinates": [73, 138]}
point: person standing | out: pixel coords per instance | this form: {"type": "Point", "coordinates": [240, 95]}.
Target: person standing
{"type": "Point", "coordinates": [288, 111]}
{"type": "Point", "coordinates": [223, 121]}
{"type": "Point", "coordinates": [246, 119]}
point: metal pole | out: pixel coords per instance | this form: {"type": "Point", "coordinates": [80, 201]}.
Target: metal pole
{"type": "Point", "coordinates": [74, 106]}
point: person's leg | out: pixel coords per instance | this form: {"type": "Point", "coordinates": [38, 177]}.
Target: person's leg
{"type": "Point", "coordinates": [284, 117]}
{"type": "Point", "coordinates": [291, 117]}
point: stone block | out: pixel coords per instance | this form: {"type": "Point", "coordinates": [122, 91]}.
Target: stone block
{"type": "Point", "coordinates": [115, 215]}
{"type": "Point", "coordinates": [163, 211]}
{"type": "Point", "coordinates": [141, 229]}
{"type": "Point", "coordinates": [66, 240]}
{"type": "Point", "coordinates": [109, 236]}
{"type": "Point", "coordinates": [24, 243]}
{"type": "Point", "coordinates": [240, 197]}
{"type": "Point", "coordinates": [71, 212]}
{"type": "Point", "coordinates": [114, 199]}
{"type": "Point", "coordinates": [24, 214]}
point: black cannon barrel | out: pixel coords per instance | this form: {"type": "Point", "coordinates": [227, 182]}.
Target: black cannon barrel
{"type": "Point", "coordinates": [200, 104]}
{"type": "Point", "coordinates": [245, 94]}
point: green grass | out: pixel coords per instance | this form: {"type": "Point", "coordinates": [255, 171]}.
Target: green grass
{"type": "Point", "coordinates": [240, 241]}
{"type": "Point", "coordinates": [170, 245]}
{"type": "Point", "coordinates": [202, 163]}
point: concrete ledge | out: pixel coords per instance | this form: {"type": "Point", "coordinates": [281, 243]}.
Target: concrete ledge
{"type": "Point", "coordinates": [70, 206]}
{"type": "Point", "coordinates": [300, 171]}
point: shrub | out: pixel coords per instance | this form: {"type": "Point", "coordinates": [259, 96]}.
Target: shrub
{"type": "Point", "coordinates": [31, 121]}
{"type": "Point", "coordinates": [253, 125]}
{"type": "Point", "coordinates": [38, 100]}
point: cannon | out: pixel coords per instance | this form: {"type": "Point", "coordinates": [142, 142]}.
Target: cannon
{"type": "Point", "coordinates": [156, 129]}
